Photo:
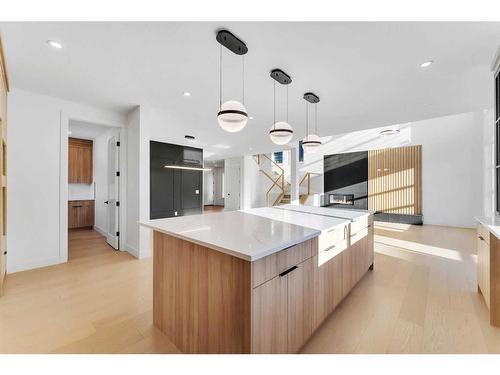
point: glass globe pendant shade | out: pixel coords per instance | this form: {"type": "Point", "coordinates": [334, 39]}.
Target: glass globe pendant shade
{"type": "Point", "coordinates": [311, 143]}
{"type": "Point", "coordinates": [232, 116]}
{"type": "Point", "coordinates": [281, 133]}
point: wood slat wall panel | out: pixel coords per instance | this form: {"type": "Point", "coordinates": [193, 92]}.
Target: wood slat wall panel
{"type": "Point", "coordinates": [4, 88]}
{"type": "Point", "coordinates": [395, 180]}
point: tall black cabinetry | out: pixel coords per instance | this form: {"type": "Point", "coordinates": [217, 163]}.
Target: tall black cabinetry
{"type": "Point", "coordinates": [175, 192]}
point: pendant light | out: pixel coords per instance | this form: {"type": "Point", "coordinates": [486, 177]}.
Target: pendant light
{"type": "Point", "coordinates": [232, 115]}
{"type": "Point", "coordinates": [281, 132]}
{"type": "Point", "coordinates": [311, 141]}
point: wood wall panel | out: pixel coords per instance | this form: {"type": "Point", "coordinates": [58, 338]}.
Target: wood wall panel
{"type": "Point", "coordinates": [395, 180]}
{"type": "Point", "coordinates": [4, 88]}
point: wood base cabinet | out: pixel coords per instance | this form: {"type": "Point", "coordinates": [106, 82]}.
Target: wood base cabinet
{"type": "Point", "coordinates": [488, 271]}
{"type": "Point", "coordinates": [81, 214]}
{"type": "Point", "coordinates": [207, 301]}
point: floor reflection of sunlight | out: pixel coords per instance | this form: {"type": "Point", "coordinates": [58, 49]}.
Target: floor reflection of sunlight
{"type": "Point", "coordinates": [421, 248]}
{"type": "Point", "coordinates": [396, 227]}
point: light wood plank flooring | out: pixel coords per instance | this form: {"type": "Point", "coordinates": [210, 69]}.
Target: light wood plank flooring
{"type": "Point", "coordinates": [212, 208]}
{"type": "Point", "coordinates": [421, 298]}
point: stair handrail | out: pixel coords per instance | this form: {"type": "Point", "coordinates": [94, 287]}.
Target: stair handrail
{"type": "Point", "coordinates": [308, 176]}
{"type": "Point", "coordinates": [281, 176]}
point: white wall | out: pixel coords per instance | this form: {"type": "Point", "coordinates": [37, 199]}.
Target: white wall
{"type": "Point", "coordinates": [133, 125]}
{"type": "Point", "coordinates": [81, 191]}
{"type": "Point", "coordinates": [488, 166]}
{"type": "Point", "coordinates": [208, 187]}
{"type": "Point", "coordinates": [452, 156]}
{"type": "Point", "coordinates": [37, 149]}
{"type": "Point", "coordinates": [218, 176]}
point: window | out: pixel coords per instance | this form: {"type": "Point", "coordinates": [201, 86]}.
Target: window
{"type": "Point", "coordinates": [278, 157]}
{"type": "Point", "coordinates": [497, 142]}
{"type": "Point", "coordinates": [301, 152]}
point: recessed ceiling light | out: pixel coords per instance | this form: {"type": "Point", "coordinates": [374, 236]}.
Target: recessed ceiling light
{"type": "Point", "coordinates": [251, 118]}
{"type": "Point", "coordinates": [187, 94]}
{"type": "Point", "coordinates": [389, 131]}
{"type": "Point", "coordinates": [426, 64]}
{"type": "Point", "coordinates": [54, 44]}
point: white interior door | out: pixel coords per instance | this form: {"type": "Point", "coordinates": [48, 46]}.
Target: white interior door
{"type": "Point", "coordinates": [208, 187]}
{"type": "Point", "coordinates": [113, 234]}
{"type": "Point", "coordinates": [232, 186]}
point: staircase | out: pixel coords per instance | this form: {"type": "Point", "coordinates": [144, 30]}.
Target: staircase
{"type": "Point", "coordinates": [307, 177]}
{"type": "Point", "coordinates": [276, 176]}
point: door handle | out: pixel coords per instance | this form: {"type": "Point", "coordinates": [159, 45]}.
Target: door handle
{"type": "Point", "coordinates": [288, 271]}
{"type": "Point", "coordinates": [106, 202]}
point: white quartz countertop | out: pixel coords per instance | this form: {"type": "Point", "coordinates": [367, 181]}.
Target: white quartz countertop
{"type": "Point", "coordinates": [325, 211]}
{"type": "Point", "coordinates": [490, 222]}
{"type": "Point", "coordinates": [318, 222]}
{"type": "Point", "coordinates": [244, 235]}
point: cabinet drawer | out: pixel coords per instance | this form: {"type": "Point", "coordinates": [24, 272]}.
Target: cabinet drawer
{"type": "Point", "coordinates": [332, 237]}
{"type": "Point", "coordinates": [266, 268]}
{"type": "Point", "coordinates": [359, 224]}
{"type": "Point", "coordinates": [483, 232]}
{"type": "Point", "coordinates": [332, 243]}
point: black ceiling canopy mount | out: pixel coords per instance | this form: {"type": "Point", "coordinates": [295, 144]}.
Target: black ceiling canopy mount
{"type": "Point", "coordinates": [281, 77]}
{"type": "Point", "coordinates": [231, 42]}
{"type": "Point", "coordinates": [311, 98]}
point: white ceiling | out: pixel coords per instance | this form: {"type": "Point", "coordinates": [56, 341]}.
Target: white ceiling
{"type": "Point", "coordinates": [366, 74]}
{"type": "Point", "coordinates": [86, 130]}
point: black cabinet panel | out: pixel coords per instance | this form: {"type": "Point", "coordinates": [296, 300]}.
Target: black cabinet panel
{"type": "Point", "coordinates": [173, 191]}
{"type": "Point", "coordinates": [191, 189]}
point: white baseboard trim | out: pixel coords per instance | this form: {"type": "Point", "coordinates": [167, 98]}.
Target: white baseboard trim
{"type": "Point", "coordinates": [132, 251]}
{"type": "Point", "coordinates": [35, 264]}
{"type": "Point", "coordinates": [138, 254]}
{"type": "Point", "coordinates": [100, 231]}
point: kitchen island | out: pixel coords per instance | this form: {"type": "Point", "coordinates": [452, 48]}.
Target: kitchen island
{"type": "Point", "coordinates": [255, 281]}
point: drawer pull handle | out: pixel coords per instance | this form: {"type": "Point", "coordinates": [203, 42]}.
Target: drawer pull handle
{"type": "Point", "coordinates": [284, 273]}
{"type": "Point", "coordinates": [481, 238]}
{"type": "Point", "coordinates": [330, 248]}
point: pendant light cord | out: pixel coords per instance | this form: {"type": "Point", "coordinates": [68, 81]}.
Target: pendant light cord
{"type": "Point", "coordinates": [243, 79]}
{"type": "Point", "coordinates": [220, 78]}
{"type": "Point", "coordinates": [316, 118]}
{"type": "Point", "coordinates": [274, 105]}
{"type": "Point", "coordinates": [307, 119]}
{"type": "Point", "coordinates": [287, 104]}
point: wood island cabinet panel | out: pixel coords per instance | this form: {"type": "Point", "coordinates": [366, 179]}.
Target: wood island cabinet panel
{"type": "Point", "coordinates": [206, 301]}
{"type": "Point", "coordinates": [80, 161]}
{"type": "Point", "coordinates": [201, 297]}
{"type": "Point", "coordinates": [300, 305]}
{"type": "Point", "coordinates": [270, 317]}
{"type": "Point", "coordinates": [268, 267]}
{"type": "Point", "coordinates": [327, 287]}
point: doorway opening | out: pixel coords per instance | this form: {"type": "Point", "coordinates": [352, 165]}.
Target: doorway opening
{"type": "Point", "coordinates": [93, 188]}
{"type": "Point", "coordinates": [213, 187]}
